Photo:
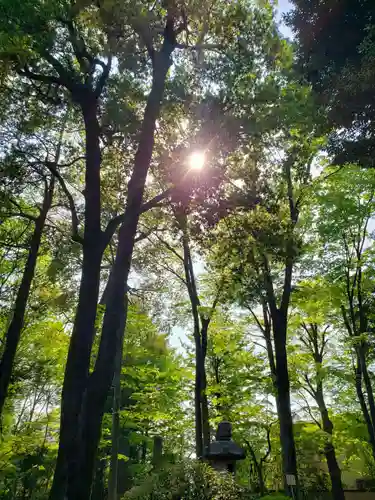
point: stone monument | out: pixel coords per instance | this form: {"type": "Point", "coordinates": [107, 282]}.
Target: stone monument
{"type": "Point", "coordinates": [223, 453]}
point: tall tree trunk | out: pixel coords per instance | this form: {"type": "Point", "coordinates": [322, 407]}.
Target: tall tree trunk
{"type": "Point", "coordinates": [13, 334]}
{"type": "Point", "coordinates": [329, 449]}
{"type": "Point", "coordinates": [363, 404]}
{"type": "Point", "coordinates": [367, 381]}
{"type": "Point", "coordinates": [114, 322]}
{"type": "Point", "coordinates": [204, 399]}
{"type": "Point", "coordinates": [115, 434]}
{"type": "Point", "coordinates": [79, 355]}
{"type": "Point", "coordinates": [288, 448]}
{"type": "Point", "coordinates": [202, 426]}
{"type": "Point", "coordinates": [199, 449]}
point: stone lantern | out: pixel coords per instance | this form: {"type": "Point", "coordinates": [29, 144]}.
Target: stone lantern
{"type": "Point", "coordinates": [223, 453]}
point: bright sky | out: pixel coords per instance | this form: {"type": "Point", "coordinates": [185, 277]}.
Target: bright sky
{"type": "Point", "coordinates": [283, 7]}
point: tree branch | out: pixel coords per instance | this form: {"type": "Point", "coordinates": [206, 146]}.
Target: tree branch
{"type": "Point", "coordinates": [104, 76]}
{"type": "Point", "coordinates": [264, 458]}
{"type": "Point", "coordinates": [48, 79]}
{"type": "Point", "coordinates": [75, 234]}
{"type": "Point", "coordinates": [119, 219]}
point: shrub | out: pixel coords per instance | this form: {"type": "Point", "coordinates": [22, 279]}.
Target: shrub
{"type": "Point", "coordinates": [187, 481]}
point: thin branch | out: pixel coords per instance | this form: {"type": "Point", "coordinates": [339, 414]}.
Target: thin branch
{"type": "Point", "coordinates": [172, 271]}
{"type": "Point", "coordinates": [145, 234]}
{"type": "Point", "coordinates": [49, 80]}
{"type": "Point", "coordinates": [313, 392]}
{"type": "Point", "coordinates": [104, 76]}
{"type": "Point", "coordinates": [264, 458]}
{"type": "Point", "coordinates": [170, 248]}
{"type": "Point", "coordinates": [119, 219]}
{"type": "Point", "coordinates": [75, 223]}
{"type": "Point", "coordinates": [63, 165]}
{"type": "Point", "coordinates": [260, 326]}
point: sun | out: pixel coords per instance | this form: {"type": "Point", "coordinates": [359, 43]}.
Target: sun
{"type": "Point", "coordinates": [196, 160]}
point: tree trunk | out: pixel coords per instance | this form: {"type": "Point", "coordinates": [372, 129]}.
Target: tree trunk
{"type": "Point", "coordinates": [204, 400]}
{"type": "Point", "coordinates": [366, 378]}
{"type": "Point", "coordinates": [329, 449]}
{"type": "Point", "coordinates": [334, 472]}
{"type": "Point", "coordinates": [13, 334]}
{"type": "Point", "coordinates": [363, 404]}
{"type": "Point", "coordinates": [115, 435]}
{"type": "Point", "coordinates": [205, 413]}
{"type": "Point", "coordinates": [79, 355]}
{"type": "Point", "coordinates": [114, 322]}
{"type": "Point", "coordinates": [259, 469]}
{"type": "Point", "coordinates": [288, 448]}
{"type": "Point", "coordinates": [197, 401]}
{"type": "Point", "coordinates": [202, 425]}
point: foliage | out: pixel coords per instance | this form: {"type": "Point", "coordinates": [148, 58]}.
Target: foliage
{"type": "Point", "coordinates": [246, 286]}
{"type": "Point", "coordinates": [190, 481]}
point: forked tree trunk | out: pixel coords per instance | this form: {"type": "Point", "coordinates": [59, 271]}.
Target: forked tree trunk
{"type": "Point", "coordinates": [13, 334]}
{"type": "Point", "coordinates": [79, 486]}
{"type": "Point", "coordinates": [79, 355]}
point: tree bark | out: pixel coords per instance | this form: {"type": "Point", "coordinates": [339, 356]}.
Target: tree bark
{"type": "Point", "coordinates": [202, 424]}
{"type": "Point", "coordinates": [367, 381]}
{"type": "Point", "coordinates": [79, 355]}
{"type": "Point", "coordinates": [204, 400]}
{"type": "Point", "coordinates": [329, 449]}
{"type": "Point", "coordinates": [288, 448]}
{"type": "Point", "coordinates": [13, 334]}
{"type": "Point", "coordinates": [279, 316]}
{"type": "Point", "coordinates": [199, 449]}
{"type": "Point", "coordinates": [363, 404]}
{"type": "Point", "coordinates": [114, 322]}
{"type": "Point", "coordinates": [115, 434]}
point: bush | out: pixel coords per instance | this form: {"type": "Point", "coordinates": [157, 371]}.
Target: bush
{"type": "Point", "coordinates": [187, 481]}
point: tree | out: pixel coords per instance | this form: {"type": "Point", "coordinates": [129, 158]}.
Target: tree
{"type": "Point", "coordinates": [22, 165]}
{"type": "Point", "coordinates": [343, 227]}
{"type": "Point", "coordinates": [340, 71]}
{"type": "Point", "coordinates": [312, 323]}
{"type": "Point", "coordinates": [267, 246]}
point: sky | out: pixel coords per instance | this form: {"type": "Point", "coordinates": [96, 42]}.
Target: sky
{"type": "Point", "coordinates": [283, 7]}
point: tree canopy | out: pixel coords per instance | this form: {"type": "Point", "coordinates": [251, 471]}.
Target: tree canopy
{"type": "Point", "coordinates": [186, 240]}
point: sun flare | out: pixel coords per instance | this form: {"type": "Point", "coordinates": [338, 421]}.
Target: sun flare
{"type": "Point", "coordinates": [197, 160]}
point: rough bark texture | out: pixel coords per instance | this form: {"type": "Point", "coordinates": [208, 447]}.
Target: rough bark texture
{"type": "Point", "coordinates": [79, 486]}
{"type": "Point", "coordinates": [115, 436]}
{"type": "Point", "coordinates": [78, 362]}
{"type": "Point", "coordinates": [288, 448]}
{"type": "Point", "coordinates": [13, 334]}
